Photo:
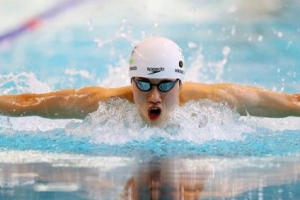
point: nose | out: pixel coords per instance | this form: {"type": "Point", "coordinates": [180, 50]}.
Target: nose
{"type": "Point", "coordinates": [154, 96]}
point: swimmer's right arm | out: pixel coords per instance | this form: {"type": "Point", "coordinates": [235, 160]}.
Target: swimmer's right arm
{"type": "Point", "coordinates": [246, 100]}
{"type": "Point", "coordinates": [63, 104]}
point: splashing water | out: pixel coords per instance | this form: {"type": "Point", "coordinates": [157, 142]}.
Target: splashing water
{"type": "Point", "coordinates": [117, 122]}
{"type": "Point", "coordinates": [196, 127]}
{"type": "Point", "coordinates": [21, 83]}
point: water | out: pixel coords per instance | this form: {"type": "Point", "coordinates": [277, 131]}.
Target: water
{"type": "Point", "coordinates": [204, 151]}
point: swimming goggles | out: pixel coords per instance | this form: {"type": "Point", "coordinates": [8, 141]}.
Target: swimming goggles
{"type": "Point", "coordinates": [163, 86]}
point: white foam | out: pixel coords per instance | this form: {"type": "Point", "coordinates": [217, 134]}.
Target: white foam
{"type": "Point", "coordinates": [33, 123]}
{"type": "Point", "coordinates": [118, 121]}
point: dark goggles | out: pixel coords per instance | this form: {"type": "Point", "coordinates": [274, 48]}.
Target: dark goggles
{"type": "Point", "coordinates": [163, 86]}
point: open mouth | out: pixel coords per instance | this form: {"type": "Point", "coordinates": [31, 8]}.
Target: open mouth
{"type": "Point", "coordinates": [154, 113]}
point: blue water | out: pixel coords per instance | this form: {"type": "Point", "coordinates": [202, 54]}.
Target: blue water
{"type": "Point", "coordinates": [259, 46]}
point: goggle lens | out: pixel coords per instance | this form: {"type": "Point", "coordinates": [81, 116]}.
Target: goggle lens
{"type": "Point", "coordinates": [163, 86]}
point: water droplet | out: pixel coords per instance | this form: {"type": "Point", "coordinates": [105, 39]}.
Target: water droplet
{"type": "Point", "coordinates": [226, 50]}
{"type": "Point", "coordinates": [192, 45]}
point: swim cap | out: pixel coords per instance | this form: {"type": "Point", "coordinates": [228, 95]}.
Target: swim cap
{"type": "Point", "coordinates": [157, 57]}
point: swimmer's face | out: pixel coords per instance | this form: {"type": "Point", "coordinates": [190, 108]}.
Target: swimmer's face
{"type": "Point", "coordinates": [153, 104]}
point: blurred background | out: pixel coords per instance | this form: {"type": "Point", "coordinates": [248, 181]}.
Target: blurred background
{"type": "Point", "coordinates": [48, 45]}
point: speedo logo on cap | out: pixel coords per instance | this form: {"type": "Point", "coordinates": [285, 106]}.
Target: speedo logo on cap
{"type": "Point", "coordinates": [155, 70]}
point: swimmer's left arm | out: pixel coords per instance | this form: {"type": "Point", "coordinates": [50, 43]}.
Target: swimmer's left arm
{"type": "Point", "coordinates": [62, 104]}
{"type": "Point", "coordinates": [68, 103]}
{"type": "Point", "coordinates": [245, 99]}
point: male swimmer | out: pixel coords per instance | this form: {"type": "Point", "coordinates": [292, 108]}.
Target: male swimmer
{"type": "Point", "coordinates": [156, 70]}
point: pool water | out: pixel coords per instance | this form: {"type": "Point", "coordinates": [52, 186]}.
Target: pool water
{"type": "Point", "coordinates": [204, 151]}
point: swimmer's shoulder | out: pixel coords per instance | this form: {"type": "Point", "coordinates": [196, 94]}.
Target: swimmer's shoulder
{"type": "Point", "coordinates": [194, 91]}
{"type": "Point", "coordinates": [103, 93]}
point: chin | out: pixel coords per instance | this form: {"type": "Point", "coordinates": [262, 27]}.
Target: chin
{"type": "Point", "coordinates": [158, 122]}
{"type": "Point", "coordinates": [155, 123]}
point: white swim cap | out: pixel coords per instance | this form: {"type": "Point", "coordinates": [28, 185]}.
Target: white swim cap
{"type": "Point", "coordinates": [157, 57]}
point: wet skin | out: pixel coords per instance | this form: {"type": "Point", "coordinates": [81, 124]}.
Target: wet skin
{"type": "Point", "coordinates": [155, 106]}
{"type": "Point", "coordinates": [78, 103]}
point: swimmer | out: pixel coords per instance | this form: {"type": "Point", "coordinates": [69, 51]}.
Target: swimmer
{"type": "Point", "coordinates": [156, 71]}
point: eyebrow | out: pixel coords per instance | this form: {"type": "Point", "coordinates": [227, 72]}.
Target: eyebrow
{"type": "Point", "coordinates": [148, 80]}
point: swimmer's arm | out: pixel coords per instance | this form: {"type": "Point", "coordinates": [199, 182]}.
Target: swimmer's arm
{"type": "Point", "coordinates": [63, 104]}
{"type": "Point", "coordinates": [245, 99]}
